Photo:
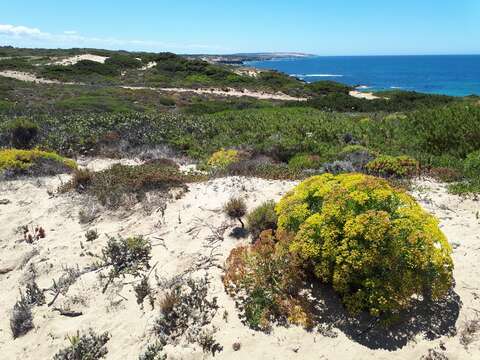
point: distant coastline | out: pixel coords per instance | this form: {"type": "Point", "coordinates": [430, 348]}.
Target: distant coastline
{"type": "Point", "coordinates": [244, 58]}
{"type": "Point", "coordinates": [454, 75]}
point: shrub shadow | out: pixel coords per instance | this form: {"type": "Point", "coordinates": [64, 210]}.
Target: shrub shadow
{"type": "Point", "coordinates": [433, 319]}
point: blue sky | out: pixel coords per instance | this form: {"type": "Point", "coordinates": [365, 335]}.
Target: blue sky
{"type": "Point", "coordinates": [348, 27]}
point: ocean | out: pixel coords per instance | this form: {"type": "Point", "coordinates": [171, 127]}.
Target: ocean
{"type": "Point", "coordinates": [456, 75]}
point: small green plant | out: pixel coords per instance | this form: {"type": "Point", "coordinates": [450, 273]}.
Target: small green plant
{"type": "Point", "coordinates": [21, 320]}
{"type": "Point", "coordinates": [262, 218]}
{"type": "Point", "coordinates": [91, 235]}
{"type": "Point", "coordinates": [393, 166]}
{"type": "Point", "coordinates": [143, 290]}
{"type": "Point", "coordinates": [236, 208]}
{"type": "Point", "coordinates": [154, 352]}
{"type": "Point", "coordinates": [89, 346]}
{"type": "Point", "coordinates": [128, 256]}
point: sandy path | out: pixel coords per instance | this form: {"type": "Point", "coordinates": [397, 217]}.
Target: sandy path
{"type": "Point", "coordinates": [222, 92]}
{"type": "Point", "coordinates": [75, 59]}
{"type": "Point", "coordinates": [130, 326]}
{"type": "Point", "coordinates": [29, 77]}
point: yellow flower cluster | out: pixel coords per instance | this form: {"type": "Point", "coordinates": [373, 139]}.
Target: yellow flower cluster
{"type": "Point", "coordinates": [372, 242]}
{"type": "Point", "coordinates": [222, 158]}
{"type": "Point", "coordinates": [23, 159]}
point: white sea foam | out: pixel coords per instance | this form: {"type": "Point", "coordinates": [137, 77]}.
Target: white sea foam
{"type": "Point", "coordinates": [316, 75]}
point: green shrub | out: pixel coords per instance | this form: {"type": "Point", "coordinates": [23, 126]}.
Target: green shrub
{"type": "Point", "coordinates": [393, 166]}
{"type": "Point", "coordinates": [123, 61]}
{"type": "Point", "coordinates": [126, 256]}
{"type": "Point", "coordinates": [305, 161]}
{"type": "Point", "coordinates": [327, 87]}
{"type": "Point", "coordinates": [374, 244]}
{"type": "Point", "coordinates": [352, 149]}
{"type": "Point", "coordinates": [471, 166]}
{"type": "Point", "coordinates": [84, 347]}
{"type": "Point", "coordinates": [262, 218]}
{"type": "Point", "coordinates": [22, 133]}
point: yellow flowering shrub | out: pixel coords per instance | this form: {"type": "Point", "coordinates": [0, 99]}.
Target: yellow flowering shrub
{"type": "Point", "coordinates": [19, 161]}
{"type": "Point", "coordinates": [374, 243]}
{"type": "Point", "coordinates": [222, 158]}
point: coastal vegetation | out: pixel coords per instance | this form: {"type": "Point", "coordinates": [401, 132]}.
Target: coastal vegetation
{"type": "Point", "coordinates": [371, 242]}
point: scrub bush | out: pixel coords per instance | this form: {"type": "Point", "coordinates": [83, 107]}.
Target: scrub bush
{"type": "Point", "coordinates": [236, 208]}
{"type": "Point", "coordinates": [304, 161]}
{"type": "Point", "coordinates": [262, 218]}
{"type": "Point", "coordinates": [89, 346]}
{"type": "Point", "coordinates": [266, 279]}
{"type": "Point", "coordinates": [374, 244]}
{"type": "Point", "coordinates": [22, 133]}
{"type": "Point", "coordinates": [471, 165]}
{"type": "Point", "coordinates": [393, 166]}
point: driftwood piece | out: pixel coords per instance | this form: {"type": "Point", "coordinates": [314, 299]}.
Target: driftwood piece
{"type": "Point", "coordinates": [68, 313]}
{"type": "Point", "coordinates": [6, 270]}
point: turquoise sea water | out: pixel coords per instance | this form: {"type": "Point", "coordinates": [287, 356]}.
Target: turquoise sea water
{"type": "Point", "coordinates": [457, 75]}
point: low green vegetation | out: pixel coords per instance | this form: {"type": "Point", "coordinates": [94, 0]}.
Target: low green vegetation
{"type": "Point", "coordinates": [393, 166]}
{"type": "Point", "coordinates": [91, 346]}
{"type": "Point", "coordinates": [121, 184]}
{"type": "Point", "coordinates": [392, 101]}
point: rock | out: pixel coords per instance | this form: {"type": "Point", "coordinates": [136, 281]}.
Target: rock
{"type": "Point", "coordinates": [4, 201]}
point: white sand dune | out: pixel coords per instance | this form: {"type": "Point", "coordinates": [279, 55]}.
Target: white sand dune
{"type": "Point", "coordinates": [363, 95]}
{"type": "Point", "coordinates": [72, 60]}
{"type": "Point", "coordinates": [29, 77]}
{"type": "Point", "coordinates": [117, 311]}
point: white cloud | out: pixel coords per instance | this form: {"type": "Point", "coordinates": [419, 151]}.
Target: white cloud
{"type": "Point", "coordinates": [6, 29]}
{"type": "Point", "coordinates": [27, 37]}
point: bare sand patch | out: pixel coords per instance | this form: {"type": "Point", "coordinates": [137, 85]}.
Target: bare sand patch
{"type": "Point", "coordinates": [176, 248]}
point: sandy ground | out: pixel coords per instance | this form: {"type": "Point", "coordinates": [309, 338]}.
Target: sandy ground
{"type": "Point", "coordinates": [363, 95]}
{"type": "Point", "coordinates": [29, 77]}
{"type": "Point", "coordinates": [74, 59]}
{"type": "Point", "coordinates": [222, 92]}
{"type": "Point", "coordinates": [175, 248]}
{"type": "Point", "coordinates": [150, 65]}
